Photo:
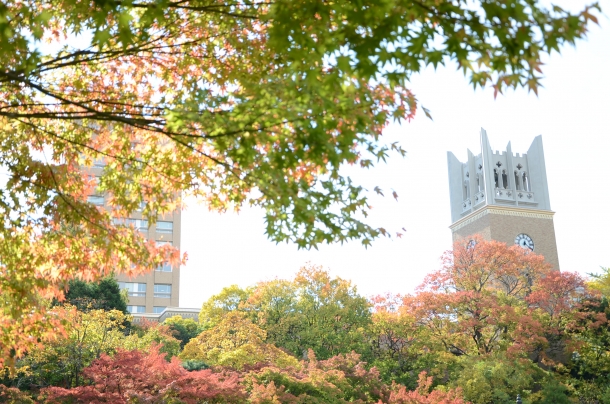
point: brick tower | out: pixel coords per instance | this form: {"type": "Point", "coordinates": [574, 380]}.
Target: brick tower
{"type": "Point", "coordinates": [504, 197]}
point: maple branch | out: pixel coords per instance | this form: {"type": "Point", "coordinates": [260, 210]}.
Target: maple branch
{"type": "Point", "coordinates": [209, 8]}
{"type": "Point", "coordinates": [114, 156]}
{"type": "Point", "coordinates": [113, 54]}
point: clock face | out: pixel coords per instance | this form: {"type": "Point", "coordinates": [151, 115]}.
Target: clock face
{"type": "Point", "coordinates": [524, 241]}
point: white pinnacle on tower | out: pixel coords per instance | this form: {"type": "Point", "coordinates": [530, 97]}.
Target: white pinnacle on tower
{"type": "Point", "coordinates": [498, 178]}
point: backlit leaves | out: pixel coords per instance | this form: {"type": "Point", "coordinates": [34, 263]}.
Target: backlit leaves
{"type": "Point", "coordinates": [232, 103]}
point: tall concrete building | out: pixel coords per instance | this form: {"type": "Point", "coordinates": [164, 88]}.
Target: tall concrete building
{"type": "Point", "coordinates": [504, 197]}
{"type": "Point", "coordinates": [158, 289]}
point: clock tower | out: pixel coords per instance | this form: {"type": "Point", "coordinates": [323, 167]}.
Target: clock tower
{"type": "Point", "coordinates": [504, 197]}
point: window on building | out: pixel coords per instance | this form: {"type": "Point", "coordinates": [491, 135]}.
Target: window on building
{"type": "Point", "coordinates": [158, 309]}
{"type": "Point", "coordinates": [162, 242]}
{"type": "Point", "coordinates": [165, 267]}
{"type": "Point", "coordinates": [134, 289]}
{"type": "Point", "coordinates": [96, 184]}
{"type": "Point", "coordinates": [162, 290]}
{"type": "Point", "coordinates": [140, 224]}
{"type": "Point", "coordinates": [97, 200]}
{"type": "Point", "coordinates": [99, 162]}
{"type": "Point", "coordinates": [136, 309]}
{"type": "Point", "coordinates": [504, 179]}
{"type": "Point", "coordinates": [165, 227]}
{"type": "Point", "coordinates": [496, 178]}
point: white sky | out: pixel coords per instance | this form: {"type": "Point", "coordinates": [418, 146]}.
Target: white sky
{"type": "Point", "coordinates": [572, 113]}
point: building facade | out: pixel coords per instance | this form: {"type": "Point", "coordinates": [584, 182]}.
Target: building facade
{"type": "Point", "coordinates": [159, 289]}
{"type": "Point", "coordinates": [504, 197]}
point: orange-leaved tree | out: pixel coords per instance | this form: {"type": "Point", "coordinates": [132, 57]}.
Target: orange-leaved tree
{"type": "Point", "coordinates": [489, 297]}
{"type": "Point", "coordinates": [342, 379]}
{"type": "Point", "coordinates": [134, 376]}
{"type": "Point", "coordinates": [567, 308]}
{"type": "Point", "coordinates": [231, 102]}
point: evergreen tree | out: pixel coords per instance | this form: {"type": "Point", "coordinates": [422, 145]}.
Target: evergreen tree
{"type": "Point", "coordinates": [104, 294]}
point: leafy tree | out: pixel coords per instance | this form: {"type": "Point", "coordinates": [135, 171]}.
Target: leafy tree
{"type": "Point", "coordinates": [562, 303]}
{"type": "Point", "coordinates": [11, 395]}
{"type": "Point", "coordinates": [184, 329]}
{"type": "Point", "coordinates": [104, 294]}
{"type": "Point", "coordinates": [340, 379]}
{"type": "Point", "coordinates": [497, 379]}
{"type": "Point", "coordinates": [475, 305]}
{"type": "Point", "coordinates": [554, 393]}
{"type": "Point", "coordinates": [234, 343]}
{"type": "Point", "coordinates": [135, 376]}
{"type": "Point", "coordinates": [601, 282]}
{"type": "Point", "coordinates": [251, 102]}
{"type": "Point", "coordinates": [149, 334]}
{"type": "Point", "coordinates": [273, 306]}
{"type": "Point", "coordinates": [218, 306]}
{"type": "Point", "coordinates": [423, 395]}
{"type": "Point", "coordinates": [392, 336]}
{"type": "Point", "coordinates": [194, 364]}
{"type": "Point", "coordinates": [587, 370]}
{"type": "Point", "coordinates": [61, 362]}
{"type": "Point", "coordinates": [312, 311]}
{"type": "Point", "coordinates": [491, 315]}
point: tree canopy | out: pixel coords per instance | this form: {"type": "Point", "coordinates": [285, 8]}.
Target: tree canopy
{"type": "Point", "coordinates": [490, 297]}
{"type": "Point", "coordinates": [230, 102]}
{"type": "Point", "coordinates": [312, 311]}
{"type": "Point", "coordinates": [104, 294]}
{"type": "Point", "coordinates": [493, 322]}
{"type": "Point", "coordinates": [601, 282]}
{"type": "Point", "coordinates": [184, 329]}
{"type": "Point", "coordinates": [233, 343]}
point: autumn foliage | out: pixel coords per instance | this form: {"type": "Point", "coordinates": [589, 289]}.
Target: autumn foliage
{"type": "Point", "coordinates": [235, 343]}
{"type": "Point", "coordinates": [423, 395]}
{"type": "Point", "coordinates": [225, 102]}
{"type": "Point", "coordinates": [341, 379]}
{"type": "Point", "coordinates": [14, 396]}
{"type": "Point", "coordinates": [493, 322]}
{"type": "Point", "coordinates": [489, 297]}
{"type": "Point", "coordinates": [133, 376]}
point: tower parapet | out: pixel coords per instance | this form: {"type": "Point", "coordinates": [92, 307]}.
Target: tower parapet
{"type": "Point", "coordinates": [503, 196]}
{"type": "Point", "coordinates": [498, 178]}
